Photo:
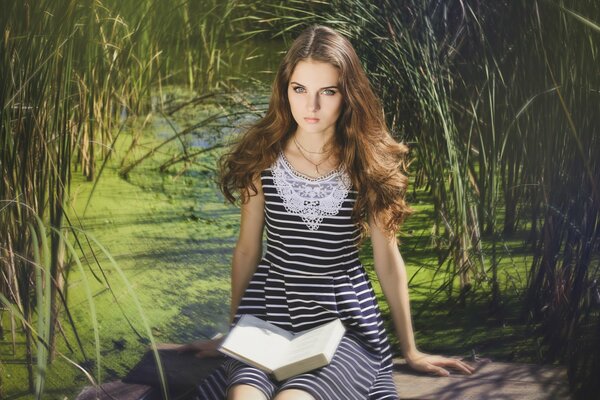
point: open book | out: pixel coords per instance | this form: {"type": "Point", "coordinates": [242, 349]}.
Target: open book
{"type": "Point", "coordinates": [279, 352]}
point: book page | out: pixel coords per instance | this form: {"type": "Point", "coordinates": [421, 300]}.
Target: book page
{"type": "Point", "coordinates": [315, 341]}
{"type": "Point", "coordinates": [254, 340]}
{"type": "Point", "coordinates": [280, 352]}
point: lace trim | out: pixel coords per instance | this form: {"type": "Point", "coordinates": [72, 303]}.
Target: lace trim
{"type": "Point", "coordinates": [310, 198]}
{"type": "Point", "coordinates": [303, 176]}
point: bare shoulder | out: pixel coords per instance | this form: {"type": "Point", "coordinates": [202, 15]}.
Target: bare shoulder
{"type": "Point", "coordinates": [255, 189]}
{"type": "Point", "coordinates": [379, 236]}
{"type": "Point", "coordinates": [252, 207]}
{"type": "Point", "coordinates": [252, 219]}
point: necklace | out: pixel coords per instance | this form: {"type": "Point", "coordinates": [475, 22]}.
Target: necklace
{"type": "Point", "coordinates": [308, 151]}
{"type": "Point", "coordinates": [308, 159]}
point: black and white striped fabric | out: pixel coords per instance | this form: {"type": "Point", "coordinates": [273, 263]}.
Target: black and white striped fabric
{"type": "Point", "coordinates": [309, 275]}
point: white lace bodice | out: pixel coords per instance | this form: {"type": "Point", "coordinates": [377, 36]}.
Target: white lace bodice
{"type": "Point", "coordinates": [310, 198]}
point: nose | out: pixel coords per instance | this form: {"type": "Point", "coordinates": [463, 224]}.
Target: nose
{"type": "Point", "coordinates": [313, 102]}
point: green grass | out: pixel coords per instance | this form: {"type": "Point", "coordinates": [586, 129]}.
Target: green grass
{"type": "Point", "coordinates": [172, 235]}
{"type": "Point", "coordinates": [442, 325]}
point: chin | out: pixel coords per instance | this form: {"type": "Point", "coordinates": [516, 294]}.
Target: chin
{"type": "Point", "coordinates": [313, 128]}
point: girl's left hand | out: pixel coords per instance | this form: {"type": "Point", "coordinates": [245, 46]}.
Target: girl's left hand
{"type": "Point", "coordinates": [434, 364]}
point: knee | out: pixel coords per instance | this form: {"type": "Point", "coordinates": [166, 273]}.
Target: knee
{"type": "Point", "coordinates": [293, 394]}
{"type": "Point", "coordinates": [245, 392]}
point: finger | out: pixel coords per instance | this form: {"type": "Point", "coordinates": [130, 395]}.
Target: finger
{"type": "Point", "coordinates": [206, 354]}
{"type": "Point", "coordinates": [437, 370]}
{"type": "Point", "coordinates": [183, 347]}
{"type": "Point", "coordinates": [189, 347]}
{"type": "Point", "coordinates": [462, 367]}
{"type": "Point", "coordinates": [468, 366]}
{"type": "Point", "coordinates": [441, 372]}
{"type": "Point", "coordinates": [454, 363]}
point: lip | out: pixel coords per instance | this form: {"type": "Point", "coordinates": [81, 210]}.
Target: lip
{"type": "Point", "coordinates": [311, 120]}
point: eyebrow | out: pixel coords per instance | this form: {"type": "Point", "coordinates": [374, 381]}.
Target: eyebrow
{"type": "Point", "coordinates": [326, 87]}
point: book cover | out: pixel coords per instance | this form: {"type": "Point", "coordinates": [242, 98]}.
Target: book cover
{"type": "Point", "coordinates": [279, 352]}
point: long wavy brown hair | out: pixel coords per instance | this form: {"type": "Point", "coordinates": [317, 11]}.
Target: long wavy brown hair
{"type": "Point", "coordinates": [375, 162]}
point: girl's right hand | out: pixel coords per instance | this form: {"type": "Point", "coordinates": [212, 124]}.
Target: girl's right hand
{"type": "Point", "coordinates": [202, 348]}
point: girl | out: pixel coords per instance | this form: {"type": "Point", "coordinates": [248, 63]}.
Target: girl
{"type": "Point", "coordinates": [319, 171]}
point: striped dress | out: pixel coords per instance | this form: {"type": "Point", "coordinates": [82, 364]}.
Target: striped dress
{"type": "Point", "coordinates": [309, 275]}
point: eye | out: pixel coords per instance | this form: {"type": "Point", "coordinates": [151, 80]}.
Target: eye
{"type": "Point", "coordinates": [329, 92]}
{"type": "Point", "coordinates": [298, 89]}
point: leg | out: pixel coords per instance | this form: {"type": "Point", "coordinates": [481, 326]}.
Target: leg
{"type": "Point", "coordinates": [293, 394]}
{"type": "Point", "coordinates": [245, 392]}
{"type": "Point", "coordinates": [247, 382]}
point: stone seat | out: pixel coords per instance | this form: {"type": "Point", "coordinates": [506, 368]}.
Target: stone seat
{"type": "Point", "coordinates": [491, 380]}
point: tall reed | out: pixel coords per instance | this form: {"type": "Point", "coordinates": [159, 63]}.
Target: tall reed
{"type": "Point", "coordinates": [411, 51]}
{"type": "Point", "coordinates": [70, 74]}
{"type": "Point", "coordinates": [501, 99]}
{"type": "Point", "coordinates": [563, 294]}
{"type": "Point", "coordinates": [36, 135]}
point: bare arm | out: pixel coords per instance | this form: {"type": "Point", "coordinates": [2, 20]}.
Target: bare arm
{"type": "Point", "coordinates": [248, 250]}
{"type": "Point", "coordinates": [391, 273]}
{"type": "Point", "coordinates": [392, 276]}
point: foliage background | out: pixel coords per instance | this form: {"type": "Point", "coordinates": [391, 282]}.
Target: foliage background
{"type": "Point", "coordinates": [112, 232]}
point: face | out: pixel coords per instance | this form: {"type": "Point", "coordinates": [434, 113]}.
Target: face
{"type": "Point", "coordinates": [314, 97]}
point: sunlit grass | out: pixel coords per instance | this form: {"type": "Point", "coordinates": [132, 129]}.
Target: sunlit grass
{"type": "Point", "coordinates": [172, 236]}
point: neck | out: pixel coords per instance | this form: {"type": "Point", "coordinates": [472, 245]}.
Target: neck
{"type": "Point", "coordinates": [314, 142]}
